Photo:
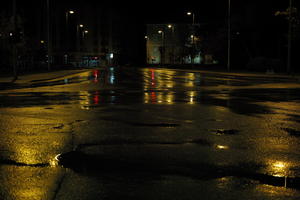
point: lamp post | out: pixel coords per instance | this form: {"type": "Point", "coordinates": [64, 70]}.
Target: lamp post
{"type": "Point", "coordinates": [78, 39]}
{"type": "Point", "coordinates": [193, 32]}
{"type": "Point", "coordinates": [288, 67]}
{"type": "Point", "coordinates": [69, 12]}
{"type": "Point", "coordinates": [172, 27]}
{"type": "Point", "coordinates": [78, 35]}
{"type": "Point", "coordinates": [162, 46]}
{"type": "Point", "coordinates": [14, 15]}
{"type": "Point", "coordinates": [193, 16]}
{"type": "Point", "coordinates": [85, 32]}
{"type": "Point", "coordinates": [147, 49]}
{"type": "Point", "coordinates": [229, 35]}
{"type": "Point", "coordinates": [48, 36]}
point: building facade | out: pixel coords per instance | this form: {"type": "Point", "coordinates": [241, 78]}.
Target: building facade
{"type": "Point", "coordinates": [173, 44]}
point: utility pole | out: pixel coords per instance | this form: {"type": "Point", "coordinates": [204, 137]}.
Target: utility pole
{"type": "Point", "coordinates": [288, 67]}
{"type": "Point", "coordinates": [48, 36]}
{"type": "Point", "coordinates": [14, 45]}
{"type": "Point", "coordinates": [162, 59]}
{"type": "Point", "coordinates": [229, 35]}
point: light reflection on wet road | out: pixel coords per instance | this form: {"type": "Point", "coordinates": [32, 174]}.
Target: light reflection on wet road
{"type": "Point", "coordinates": [171, 131]}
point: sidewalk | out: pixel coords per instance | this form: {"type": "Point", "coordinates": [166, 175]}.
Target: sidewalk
{"type": "Point", "coordinates": [42, 76]}
{"type": "Point", "coordinates": [242, 73]}
{"type": "Point", "coordinates": [7, 82]}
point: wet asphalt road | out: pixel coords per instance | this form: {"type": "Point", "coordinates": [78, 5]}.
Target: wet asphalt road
{"type": "Point", "coordinates": [150, 134]}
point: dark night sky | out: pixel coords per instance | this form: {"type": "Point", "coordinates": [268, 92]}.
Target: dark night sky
{"type": "Point", "coordinates": [255, 17]}
{"type": "Point", "coordinates": [166, 11]}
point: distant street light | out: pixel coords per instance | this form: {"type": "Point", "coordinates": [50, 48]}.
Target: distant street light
{"type": "Point", "coordinates": [193, 16]}
{"type": "Point", "coordinates": [289, 38]}
{"type": "Point", "coordinates": [48, 35]}
{"type": "Point", "coordinates": [68, 12]}
{"type": "Point", "coordinates": [229, 35]}
{"type": "Point", "coordinates": [289, 14]}
{"type": "Point", "coordinates": [193, 30]}
{"type": "Point", "coordinates": [172, 27]}
{"type": "Point", "coordinates": [162, 45]}
{"type": "Point", "coordinates": [192, 37]}
{"type": "Point", "coordinates": [78, 35]}
{"type": "Point", "coordinates": [85, 32]}
{"type": "Point", "coordinates": [14, 15]}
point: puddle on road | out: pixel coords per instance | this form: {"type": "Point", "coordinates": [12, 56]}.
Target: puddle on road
{"type": "Point", "coordinates": [224, 131]}
{"type": "Point", "coordinates": [167, 125]}
{"type": "Point", "coordinates": [97, 165]}
{"type": "Point", "coordinates": [292, 132]}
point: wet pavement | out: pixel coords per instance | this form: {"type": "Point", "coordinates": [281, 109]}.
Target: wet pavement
{"type": "Point", "coordinates": [150, 133]}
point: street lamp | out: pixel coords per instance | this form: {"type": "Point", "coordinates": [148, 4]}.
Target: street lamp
{"type": "Point", "coordinates": [193, 29]}
{"type": "Point", "coordinates": [192, 37]}
{"type": "Point", "coordinates": [229, 35]}
{"type": "Point", "coordinates": [193, 16]}
{"type": "Point", "coordinates": [162, 45]}
{"type": "Point", "coordinates": [147, 48]}
{"type": "Point", "coordinates": [69, 12]}
{"type": "Point", "coordinates": [289, 37]}
{"type": "Point", "coordinates": [78, 35]}
{"type": "Point", "coordinates": [48, 35]}
{"type": "Point", "coordinates": [170, 26]}
{"type": "Point", "coordinates": [78, 28]}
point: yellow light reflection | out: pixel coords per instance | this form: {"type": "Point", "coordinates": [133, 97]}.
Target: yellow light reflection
{"type": "Point", "coordinates": [222, 147]}
{"type": "Point", "coordinates": [84, 100]}
{"type": "Point", "coordinates": [170, 98]}
{"type": "Point", "coordinates": [190, 81]}
{"type": "Point", "coordinates": [26, 154]}
{"type": "Point", "coordinates": [192, 96]}
{"type": "Point", "coordinates": [274, 191]}
{"type": "Point", "coordinates": [223, 182]}
{"type": "Point", "coordinates": [29, 182]}
{"type": "Point", "coordinates": [158, 97]}
{"type": "Point", "coordinates": [158, 78]}
{"type": "Point", "coordinates": [54, 162]}
{"type": "Point", "coordinates": [278, 168]}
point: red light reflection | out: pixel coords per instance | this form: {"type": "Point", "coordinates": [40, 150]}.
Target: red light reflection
{"type": "Point", "coordinates": [96, 98]}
